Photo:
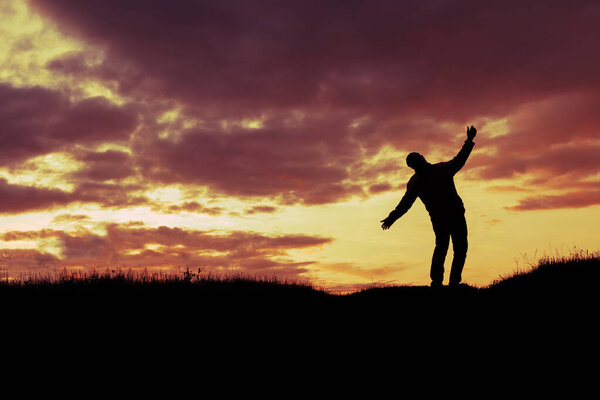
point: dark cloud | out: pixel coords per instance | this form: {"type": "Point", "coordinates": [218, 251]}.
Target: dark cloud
{"type": "Point", "coordinates": [558, 135]}
{"type": "Point", "coordinates": [450, 59]}
{"type": "Point", "coordinates": [18, 261]}
{"type": "Point", "coordinates": [260, 209]}
{"type": "Point", "coordinates": [109, 194]}
{"type": "Point", "coordinates": [572, 199]}
{"type": "Point", "coordinates": [104, 166]}
{"type": "Point", "coordinates": [70, 218]}
{"type": "Point", "coordinates": [334, 82]}
{"type": "Point", "coordinates": [71, 63]}
{"type": "Point", "coordinates": [380, 187]}
{"type": "Point", "coordinates": [291, 164]}
{"type": "Point", "coordinates": [570, 161]}
{"type": "Point", "coordinates": [37, 121]}
{"type": "Point", "coordinates": [17, 198]}
{"type": "Point", "coordinates": [190, 206]}
{"type": "Point", "coordinates": [552, 145]}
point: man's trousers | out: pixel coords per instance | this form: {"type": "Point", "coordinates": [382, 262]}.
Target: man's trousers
{"type": "Point", "coordinates": [445, 227]}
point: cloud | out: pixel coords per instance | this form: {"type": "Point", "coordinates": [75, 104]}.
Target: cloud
{"type": "Point", "coordinates": [37, 121]}
{"type": "Point", "coordinates": [492, 222]}
{"type": "Point", "coordinates": [556, 135]}
{"type": "Point", "coordinates": [17, 198]}
{"type": "Point", "coordinates": [573, 199]}
{"type": "Point", "coordinates": [138, 246]}
{"type": "Point", "coordinates": [69, 218]}
{"type": "Point", "coordinates": [109, 194]}
{"type": "Point", "coordinates": [571, 160]}
{"type": "Point", "coordinates": [104, 165]}
{"type": "Point", "coordinates": [380, 187]}
{"type": "Point", "coordinates": [381, 274]}
{"type": "Point", "coordinates": [260, 209]}
{"type": "Point", "coordinates": [18, 261]}
{"type": "Point", "coordinates": [192, 207]}
{"type": "Point", "coordinates": [553, 145]}
{"type": "Point", "coordinates": [332, 84]}
{"type": "Point", "coordinates": [277, 161]}
{"type": "Point", "coordinates": [381, 54]}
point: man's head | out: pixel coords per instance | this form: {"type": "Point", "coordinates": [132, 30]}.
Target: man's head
{"type": "Point", "coordinates": [416, 161]}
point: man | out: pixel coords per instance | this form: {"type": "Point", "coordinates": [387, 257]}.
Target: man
{"type": "Point", "coordinates": [434, 185]}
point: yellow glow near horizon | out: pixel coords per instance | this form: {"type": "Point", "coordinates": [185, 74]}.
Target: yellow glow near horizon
{"type": "Point", "coordinates": [361, 253]}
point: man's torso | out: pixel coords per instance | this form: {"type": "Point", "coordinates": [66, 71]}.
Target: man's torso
{"type": "Point", "coordinates": [435, 187]}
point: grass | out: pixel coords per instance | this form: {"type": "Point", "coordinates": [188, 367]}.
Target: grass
{"type": "Point", "coordinates": [550, 279]}
{"type": "Point", "coordinates": [578, 271]}
{"type": "Point", "coordinates": [122, 283]}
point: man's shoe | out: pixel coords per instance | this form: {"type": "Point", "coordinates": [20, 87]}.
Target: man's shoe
{"type": "Point", "coordinates": [455, 285]}
{"type": "Point", "coordinates": [436, 284]}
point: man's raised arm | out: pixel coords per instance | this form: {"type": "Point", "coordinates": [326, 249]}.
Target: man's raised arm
{"type": "Point", "coordinates": [461, 158]}
{"type": "Point", "coordinates": [405, 204]}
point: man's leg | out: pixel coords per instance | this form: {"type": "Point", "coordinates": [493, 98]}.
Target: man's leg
{"type": "Point", "coordinates": [458, 231]}
{"type": "Point", "coordinates": [442, 240]}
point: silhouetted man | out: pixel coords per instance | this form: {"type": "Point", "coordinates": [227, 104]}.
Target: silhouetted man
{"type": "Point", "coordinates": [434, 185]}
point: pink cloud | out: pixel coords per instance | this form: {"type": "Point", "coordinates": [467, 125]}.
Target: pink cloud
{"type": "Point", "coordinates": [17, 198]}
{"type": "Point", "coordinates": [37, 121]}
{"type": "Point", "coordinates": [413, 73]}
{"type": "Point", "coordinates": [125, 245]}
{"type": "Point", "coordinates": [575, 199]}
{"type": "Point", "coordinates": [457, 60]}
{"type": "Point", "coordinates": [103, 166]}
{"type": "Point", "coordinates": [291, 164]}
{"type": "Point", "coordinates": [552, 145]}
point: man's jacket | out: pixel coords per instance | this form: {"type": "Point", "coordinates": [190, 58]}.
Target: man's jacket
{"type": "Point", "coordinates": [434, 185]}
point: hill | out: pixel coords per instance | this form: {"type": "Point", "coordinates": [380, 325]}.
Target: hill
{"type": "Point", "coordinates": [554, 284]}
{"type": "Point", "coordinates": [267, 332]}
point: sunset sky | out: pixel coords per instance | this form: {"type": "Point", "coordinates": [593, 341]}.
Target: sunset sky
{"type": "Point", "coordinates": [269, 137]}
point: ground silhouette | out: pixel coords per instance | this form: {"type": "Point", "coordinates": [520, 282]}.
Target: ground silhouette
{"type": "Point", "coordinates": [550, 286]}
{"type": "Point", "coordinates": [265, 334]}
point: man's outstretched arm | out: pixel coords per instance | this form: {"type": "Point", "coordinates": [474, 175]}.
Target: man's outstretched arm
{"type": "Point", "coordinates": [461, 158]}
{"type": "Point", "coordinates": [407, 201]}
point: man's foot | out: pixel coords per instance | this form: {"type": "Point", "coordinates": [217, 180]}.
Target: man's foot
{"type": "Point", "coordinates": [457, 285]}
{"type": "Point", "coordinates": [436, 284]}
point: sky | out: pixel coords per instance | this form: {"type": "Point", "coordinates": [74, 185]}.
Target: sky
{"type": "Point", "coordinates": [269, 138]}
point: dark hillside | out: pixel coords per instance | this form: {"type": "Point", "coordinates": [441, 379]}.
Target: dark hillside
{"type": "Point", "coordinates": [281, 333]}
{"type": "Point", "coordinates": [576, 275]}
{"type": "Point", "coordinates": [561, 287]}
{"type": "Point", "coordinates": [565, 280]}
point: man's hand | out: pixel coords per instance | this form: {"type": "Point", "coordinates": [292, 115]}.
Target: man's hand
{"type": "Point", "coordinates": [387, 223]}
{"type": "Point", "coordinates": [471, 132]}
